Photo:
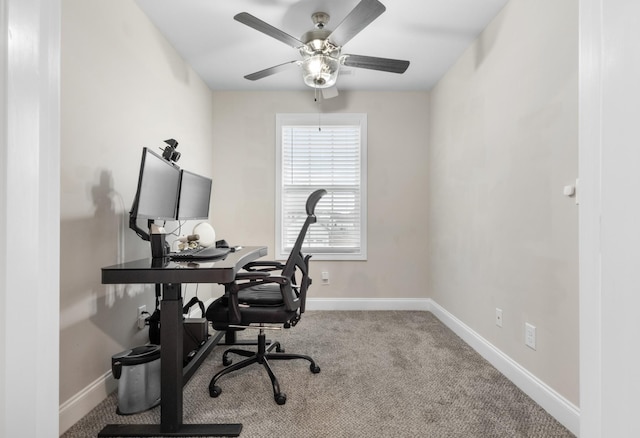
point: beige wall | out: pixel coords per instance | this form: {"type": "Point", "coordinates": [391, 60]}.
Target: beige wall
{"type": "Point", "coordinates": [123, 87]}
{"type": "Point", "coordinates": [244, 189]}
{"type": "Point", "coordinates": [503, 143]}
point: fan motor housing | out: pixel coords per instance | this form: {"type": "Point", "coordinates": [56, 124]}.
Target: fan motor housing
{"type": "Point", "coordinates": [315, 38]}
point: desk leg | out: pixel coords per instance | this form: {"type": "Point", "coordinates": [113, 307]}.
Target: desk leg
{"type": "Point", "coordinates": [171, 357]}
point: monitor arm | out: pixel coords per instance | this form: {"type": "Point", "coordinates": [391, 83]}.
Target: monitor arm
{"type": "Point", "coordinates": [133, 224]}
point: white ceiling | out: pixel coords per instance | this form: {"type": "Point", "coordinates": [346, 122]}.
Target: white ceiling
{"type": "Point", "coordinates": [432, 34]}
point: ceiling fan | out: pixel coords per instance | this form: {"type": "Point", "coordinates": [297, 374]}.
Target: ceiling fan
{"type": "Point", "coordinates": [321, 48]}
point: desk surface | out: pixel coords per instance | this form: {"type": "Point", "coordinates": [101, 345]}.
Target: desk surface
{"type": "Point", "coordinates": [156, 271]}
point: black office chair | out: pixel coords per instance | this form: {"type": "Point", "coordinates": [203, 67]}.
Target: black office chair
{"type": "Point", "coordinates": [257, 297]}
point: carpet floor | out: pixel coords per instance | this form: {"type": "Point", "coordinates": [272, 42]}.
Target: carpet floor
{"type": "Point", "coordinates": [383, 374]}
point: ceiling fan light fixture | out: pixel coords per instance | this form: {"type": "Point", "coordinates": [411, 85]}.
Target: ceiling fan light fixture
{"type": "Point", "coordinates": [320, 71]}
{"type": "Point", "coordinates": [320, 47]}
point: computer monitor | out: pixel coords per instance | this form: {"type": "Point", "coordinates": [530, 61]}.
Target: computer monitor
{"type": "Point", "coordinates": [195, 195]}
{"type": "Point", "coordinates": [158, 185]}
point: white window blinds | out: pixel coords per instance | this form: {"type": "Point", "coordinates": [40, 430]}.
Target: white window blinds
{"type": "Point", "coordinates": [329, 156]}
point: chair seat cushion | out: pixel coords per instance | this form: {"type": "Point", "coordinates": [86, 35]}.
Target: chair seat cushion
{"type": "Point", "coordinates": [259, 304]}
{"type": "Point", "coordinates": [262, 295]}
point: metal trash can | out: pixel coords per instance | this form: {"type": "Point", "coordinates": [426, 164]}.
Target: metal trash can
{"type": "Point", "coordinates": [138, 374]}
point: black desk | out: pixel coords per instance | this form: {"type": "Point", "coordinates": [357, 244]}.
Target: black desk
{"type": "Point", "coordinates": [173, 375]}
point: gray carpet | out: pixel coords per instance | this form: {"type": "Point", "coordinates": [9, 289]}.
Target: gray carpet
{"type": "Point", "coordinates": [384, 374]}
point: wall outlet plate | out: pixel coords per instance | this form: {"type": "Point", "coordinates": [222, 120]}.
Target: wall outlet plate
{"type": "Point", "coordinates": [142, 316]}
{"type": "Point", "coordinates": [530, 335]}
{"type": "Point", "coordinates": [498, 317]}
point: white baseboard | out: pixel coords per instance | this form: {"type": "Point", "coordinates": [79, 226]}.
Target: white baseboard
{"type": "Point", "coordinates": [367, 304]}
{"type": "Point", "coordinates": [84, 401]}
{"type": "Point", "coordinates": [560, 408]}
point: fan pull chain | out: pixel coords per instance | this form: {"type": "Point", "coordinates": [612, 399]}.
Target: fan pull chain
{"type": "Point", "coordinates": [316, 99]}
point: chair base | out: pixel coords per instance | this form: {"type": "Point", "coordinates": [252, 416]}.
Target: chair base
{"type": "Point", "coordinates": [262, 356]}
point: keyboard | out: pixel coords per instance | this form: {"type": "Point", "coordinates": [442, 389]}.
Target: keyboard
{"type": "Point", "coordinates": [200, 253]}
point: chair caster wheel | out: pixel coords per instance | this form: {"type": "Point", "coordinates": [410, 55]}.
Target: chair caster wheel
{"type": "Point", "coordinates": [280, 398]}
{"type": "Point", "coordinates": [226, 362]}
{"type": "Point", "coordinates": [215, 391]}
{"type": "Point", "coordinates": [315, 369]}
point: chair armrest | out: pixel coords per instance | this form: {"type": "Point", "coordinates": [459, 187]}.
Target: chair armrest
{"type": "Point", "coordinates": [285, 288]}
{"type": "Point", "coordinates": [265, 266]}
{"type": "Point", "coordinates": [254, 275]}
{"type": "Point", "coordinates": [259, 279]}
{"type": "Point", "coordinates": [245, 280]}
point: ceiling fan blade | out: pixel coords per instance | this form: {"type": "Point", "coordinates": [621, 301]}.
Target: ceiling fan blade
{"type": "Point", "coordinates": [373, 63]}
{"type": "Point", "coordinates": [270, 71]}
{"type": "Point", "coordinates": [329, 92]}
{"type": "Point", "coordinates": [267, 29]}
{"type": "Point", "coordinates": [360, 17]}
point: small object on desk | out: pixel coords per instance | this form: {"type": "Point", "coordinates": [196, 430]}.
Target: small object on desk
{"type": "Point", "coordinates": [236, 248]}
{"type": "Point", "coordinates": [189, 238]}
{"type": "Point", "coordinates": [206, 233]}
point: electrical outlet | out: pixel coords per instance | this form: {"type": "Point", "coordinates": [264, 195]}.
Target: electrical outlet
{"type": "Point", "coordinates": [142, 316]}
{"type": "Point", "coordinates": [498, 317]}
{"type": "Point", "coordinates": [325, 277]}
{"type": "Point", "coordinates": [530, 335]}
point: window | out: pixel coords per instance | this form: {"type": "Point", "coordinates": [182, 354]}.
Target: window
{"type": "Point", "coordinates": [326, 151]}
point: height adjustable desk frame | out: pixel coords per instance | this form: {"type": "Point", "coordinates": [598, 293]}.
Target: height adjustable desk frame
{"type": "Point", "coordinates": [173, 375]}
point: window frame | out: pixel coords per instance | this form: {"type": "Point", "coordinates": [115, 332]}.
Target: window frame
{"type": "Point", "coordinates": [306, 119]}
